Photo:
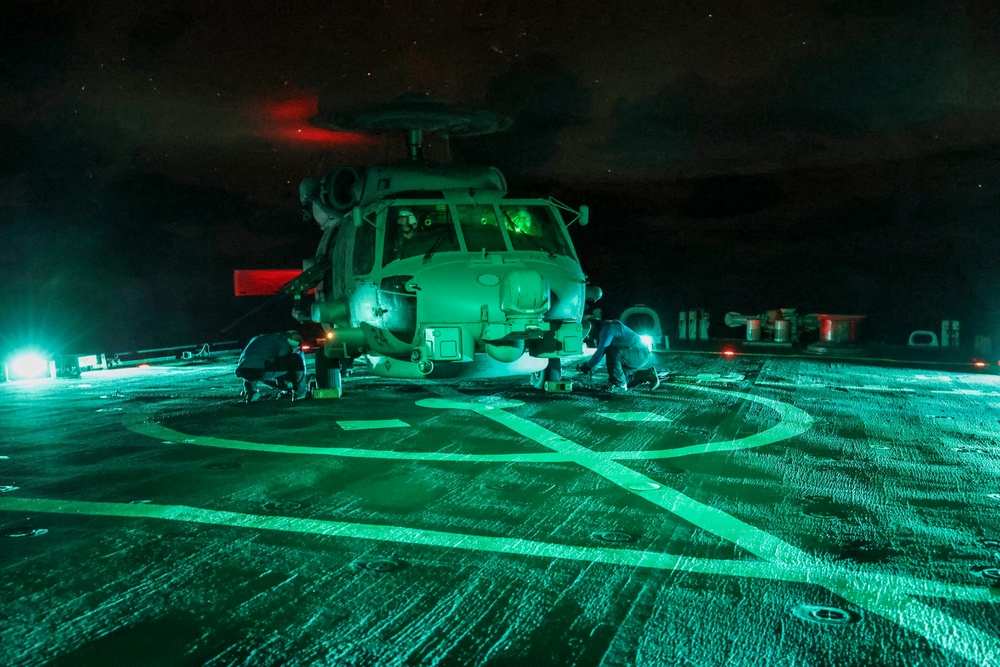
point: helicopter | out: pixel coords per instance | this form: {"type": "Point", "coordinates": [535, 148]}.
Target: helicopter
{"type": "Point", "coordinates": [432, 270]}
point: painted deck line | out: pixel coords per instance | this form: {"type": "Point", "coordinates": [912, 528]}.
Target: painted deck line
{"type": "Point", "coordinates": [635, 417]}
{"type": "Point", "coordinates": [855, 586]}
{"type": "Point", "coordinates": [951, 634]}
{"type": "Point", "coordinates": [793, 422]}
{"type": "Point", "coordinates": [754, 540]}
{"type": "Point", "coordinates": [936, 626]}
{"type": "Point", "coordinates": [365, 424]}
{"type": "Point", "coordinates": [751, 569]}
{"type": "Point", "coordinates": [160, 432]}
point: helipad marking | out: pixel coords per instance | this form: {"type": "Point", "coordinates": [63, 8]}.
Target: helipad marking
{"type": "Point", "coordinates": [704, 516]}
{"type": "Point", "coordinates": [757, 569]}
{"type": "Point", "coordinates": [950, 633]}
{"type": "Point", "coordinates": [634, 416]}
{"type": "Point", "coordinates": [161, 432]}
{"type": "Point", "coordinates": [825, 386]}
{"type": "Point", "coordinates": [793, 422]}
{"type": "Point", "coordinates": [864, 590]}
{"type": "Point", "coordinates": [360, 425]}
{"type": "Point", "coordinates": [900, 607]}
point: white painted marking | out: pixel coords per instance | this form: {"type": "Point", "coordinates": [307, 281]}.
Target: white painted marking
{"type": "Point", "coordinates": [866, 589]}
{"type": "Point", "coordinates": [754, 569]}
{"type": "Point", "coordinates": [824, 386]}
{"type": "Point", "coordinates": [644, 486]}
{"type": "Point", "coordinates": [366, 424]}
{"type": "Point", "coordinates": [793, 422]}
{"type": "Point", "coordinates": [634, 416]}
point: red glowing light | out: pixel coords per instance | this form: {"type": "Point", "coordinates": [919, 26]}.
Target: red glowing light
{"type": "Point", "coordinates": [307, 134]}
{"type": "Point", "coordinates": [729, 353]}
{"type": "Point", "coordinates": [288, 120]}
{"type": "Point", "coordinates": [299, 109]}
{"type": "Point", "coordinates": [262, 282]}
{"type": "Point", "coordinates": [979, 364]}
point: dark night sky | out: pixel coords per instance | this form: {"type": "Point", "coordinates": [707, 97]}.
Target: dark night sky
{"type": "Point", "coordinates": [824, 155]}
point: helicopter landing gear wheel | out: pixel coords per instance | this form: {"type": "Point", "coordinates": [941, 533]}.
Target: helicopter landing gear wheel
{"type": "Point", "coordinates": [328, 374]}
{"type": "Point", "coordinates": [551, 373]}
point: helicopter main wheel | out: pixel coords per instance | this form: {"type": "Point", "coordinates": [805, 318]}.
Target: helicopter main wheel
{"type": "Point", "coordinates": [328, 372]}
{"type": "Point", "coordinates": [551, 373]}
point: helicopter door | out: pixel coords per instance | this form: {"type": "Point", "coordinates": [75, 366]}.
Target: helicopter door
{"type": "Point", "coordinates": [364, 250]}
{"type": "Point", "coordinates": [336, 286]}
{"type": "Point", "coordinates": [398, 308]}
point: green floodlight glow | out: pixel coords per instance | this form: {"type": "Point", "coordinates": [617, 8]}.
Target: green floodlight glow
{"type": "Point", "coordinates": [30, 365]}
{"type": "Point", "coordinates": [521, 222]}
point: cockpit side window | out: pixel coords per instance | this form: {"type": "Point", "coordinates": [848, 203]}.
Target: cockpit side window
{"type": "Point", "coordinates": [417, 230]}
{"type": "Point", "coordinates": [364, 250]}
{"type": "Point", "coordinates": [480, 228]}
{"type": "Point", "coordinates": [533, 227]}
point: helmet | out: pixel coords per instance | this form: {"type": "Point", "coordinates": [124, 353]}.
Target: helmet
{"type": "Point", "coordinates": [407, 216]}
{"type": "Point", "coordinates": [292, 334]}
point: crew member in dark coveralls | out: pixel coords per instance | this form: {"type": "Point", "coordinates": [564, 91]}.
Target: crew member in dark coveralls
{"type": "Point", "coordinates": [275, 360]}
{"type": "Point", "coordinates": [630, 362]}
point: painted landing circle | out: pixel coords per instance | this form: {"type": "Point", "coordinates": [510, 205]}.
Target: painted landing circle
{"type": "Point", "coordinates": [793, 421]}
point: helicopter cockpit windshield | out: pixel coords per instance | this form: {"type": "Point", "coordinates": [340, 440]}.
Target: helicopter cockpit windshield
{"type": "Point", "coordinates": [413, 230]}
{"type": "Point", "coordinates": [533, 227]}
{"type": "Point", "coordinates": [417, 230]}
{"type": "Point", "coordinates": [480, 228]}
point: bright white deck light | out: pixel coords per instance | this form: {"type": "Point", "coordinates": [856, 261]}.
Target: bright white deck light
{"type": "Point", "coordinates": [30, 366]}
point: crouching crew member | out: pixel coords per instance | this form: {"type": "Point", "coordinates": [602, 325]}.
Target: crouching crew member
{"type": "Point", "coordinates": [630, 362]}
{"type": "Point", "coordinates": [275, 360]}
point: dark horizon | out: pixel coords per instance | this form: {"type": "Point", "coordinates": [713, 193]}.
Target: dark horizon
{"type": "Point", "coordinates": [741, 242]}
{"type": "Point", "coordinates": [841, 158]}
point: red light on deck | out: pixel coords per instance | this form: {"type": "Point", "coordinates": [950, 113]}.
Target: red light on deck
{"type": "Point", "coordinates": [978, 363]}
{"type": "Point", "coordinates": [729, 353]}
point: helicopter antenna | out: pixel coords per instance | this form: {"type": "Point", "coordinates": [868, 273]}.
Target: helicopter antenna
{"type": "Point", "coordinates": [414, 114]}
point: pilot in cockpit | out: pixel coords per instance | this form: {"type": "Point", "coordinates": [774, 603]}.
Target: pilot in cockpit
{"type": "Point", "coordinates": [406, 231]}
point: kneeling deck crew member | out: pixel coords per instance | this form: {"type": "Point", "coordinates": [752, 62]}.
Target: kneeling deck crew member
{"type": "Point", "coordinates": [275, 360]}
{"type": "Point", "coordinates": [629, 361]}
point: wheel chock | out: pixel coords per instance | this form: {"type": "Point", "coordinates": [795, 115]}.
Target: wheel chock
{"type": "Point", "coordinates": [330, 392]}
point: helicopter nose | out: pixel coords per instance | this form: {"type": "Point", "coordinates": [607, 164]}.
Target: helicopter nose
{"type": "Point", "coordinates": [524, 292]}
